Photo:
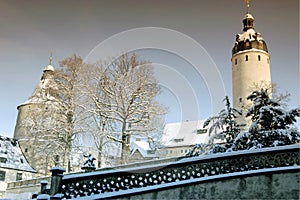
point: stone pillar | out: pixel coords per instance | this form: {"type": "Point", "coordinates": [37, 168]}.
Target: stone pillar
{"type": "Point", "coordinates": [57, 174]}
{"type": "Point", "coordinates": [43, 186]}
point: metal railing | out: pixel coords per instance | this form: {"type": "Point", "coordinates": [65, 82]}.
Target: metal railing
{"type": "Point", "coordinates": [109, 183]}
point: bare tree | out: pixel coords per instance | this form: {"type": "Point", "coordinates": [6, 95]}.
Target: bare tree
{"type": "Point", "coordinates": [104, 104]}
{"type": "Point", "coordinates": [125, 103]}
{"type": "Point", "coordinates": [70, 81]}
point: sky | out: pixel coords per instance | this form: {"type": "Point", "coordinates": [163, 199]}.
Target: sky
{"type": "Point", "coordinates": [188, 42]}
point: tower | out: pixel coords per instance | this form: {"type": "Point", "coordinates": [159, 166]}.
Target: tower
{"type": "Point", "coordinates": [39, 125]}
{"type": "Point", "coordinates": [250, 65]}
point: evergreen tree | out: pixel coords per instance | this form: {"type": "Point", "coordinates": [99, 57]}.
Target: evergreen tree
{"type": "Point", "coordinates": [268, 114]}
{"type": "Point", "coordinates": [225, 121]}
{"type": "Point", "coordinates": [271, 124]}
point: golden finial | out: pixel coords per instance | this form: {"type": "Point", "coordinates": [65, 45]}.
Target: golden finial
{"type": "Point", "coordinates": [247, 2]}
{"type": "Point", "coordinates": [50, 58]}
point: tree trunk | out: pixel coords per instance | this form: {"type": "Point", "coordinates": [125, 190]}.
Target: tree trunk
{"type": "Point", "coordinates": [125, 145]}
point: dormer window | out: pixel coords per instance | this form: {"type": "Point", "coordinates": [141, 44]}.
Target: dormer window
{"type": "Point", "coordinates": [150, 152]}
{"type": "Point", "coordinates": [201, 131]}
{"type": "Point", "coordinates": [178, 140]}
{"type": "Point", "coordinates": [3, 160]}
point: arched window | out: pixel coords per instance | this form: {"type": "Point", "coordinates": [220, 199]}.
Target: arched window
{"type": "Point", "coordinates": [246, 57]}
{"type": "Point", "coordinates": [258, 57]}
{"type": "Point", "coordinates": [235, 61]}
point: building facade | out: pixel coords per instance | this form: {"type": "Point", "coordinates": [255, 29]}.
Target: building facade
{"type": "Point", "coordinates": [13, 164]}
{"type": "Point", "coordinates": [178, 138]}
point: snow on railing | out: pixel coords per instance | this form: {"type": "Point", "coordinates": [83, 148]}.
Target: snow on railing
{"type": "Point", "coordinates": [111, 183]}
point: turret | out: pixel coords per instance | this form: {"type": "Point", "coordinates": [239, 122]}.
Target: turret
{"type": "Point", "coordinates": [250, 65]}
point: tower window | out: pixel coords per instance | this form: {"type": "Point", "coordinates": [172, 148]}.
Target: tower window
{"type": "Point", "coordinates": [258, 57]}
{"type": "Point", "coordinates": [246, 57]}
{"type": "Point", "coordinates": [235, 61]}
{"type": "Point", "coordinates": [268, 61]}
{"type": "Point", "coordinates": [240, 99]}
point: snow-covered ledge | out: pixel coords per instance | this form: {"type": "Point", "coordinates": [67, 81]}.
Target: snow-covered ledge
{"type": "Point", "coordinates": [118, 182]}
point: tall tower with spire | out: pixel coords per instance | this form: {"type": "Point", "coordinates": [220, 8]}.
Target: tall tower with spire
{"type": "Point", "coordinates": [250, 64]}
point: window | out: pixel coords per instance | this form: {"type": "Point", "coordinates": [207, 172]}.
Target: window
{"type": "Point", "coordinates": [150, 152]}
{"type": "Point", "coordinates": [181, 150]}
{"type": "Point", "coordinates": [19, 176]}
{"type": "Point", "coordinates": [21, 160]}
{"type": "Point", "coordinates": [3, 160]}
{"type": "Point", "coordinates": [26, 150]}
{"type": "Point", "coordinates": [201, 131]}
{"type": "Point", "coordinates": [246, 57]}
{"type": "Point", "coordinates": [258, 57]}
{"type": "Point", "coordinates": [268, 61]}
{"type": "Point", "coordinates": [235, 61]}
{"type": "Point", "coordinates": [178, 140]}
{"type": "Point", "coordinates": [2, 175]}
{"type": "Point", "coordinates": [240, 99]}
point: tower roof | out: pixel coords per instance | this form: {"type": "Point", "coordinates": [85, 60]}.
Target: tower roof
{"type": "Point", "coordinates": [249, 39]}
{"type": "Point", "coordinates": [49, 68]}
{"type": "Point", "coordinates": [46, 89]}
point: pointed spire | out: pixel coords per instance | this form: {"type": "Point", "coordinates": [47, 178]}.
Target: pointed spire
{"type": "Point", "coordinates": [49, 67]}
{"type": "Point", "coordinates": [247, 3]}
{"type": "Point", "coordinates": [248, 20]}
{"type": "Point", "coordinates": [50, 58]}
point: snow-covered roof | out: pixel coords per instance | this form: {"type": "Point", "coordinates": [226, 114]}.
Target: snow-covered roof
{"type": "Point", "coordinates": [143, 147]}
{"type": "Point", "coordinates": [11, 156]}
{"type": "Point", "coordinates": [44, 91]}
{"type": "Point", "coordinates": [249, 16]}
{"type": "Point", "coordinates": [185, 134]}
{"type": "Point", "coordinates": [49, 68]}
{"type": "Point", "coordinates": [250, 35]}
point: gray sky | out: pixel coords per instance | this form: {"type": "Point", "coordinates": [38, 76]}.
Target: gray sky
{"type": "Point", "coordinates": [31, 28]}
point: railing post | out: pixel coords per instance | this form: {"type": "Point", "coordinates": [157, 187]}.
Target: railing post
{"type": "Point", "coordinates": [44, 184]}
{"type": "Point", "coordinates": [57, 174]}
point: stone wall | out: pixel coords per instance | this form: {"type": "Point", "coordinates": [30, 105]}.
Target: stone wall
{"type": "Point", "coordinates": [261, 186]}
{"type": "Point", "coordinates": [25, 188]}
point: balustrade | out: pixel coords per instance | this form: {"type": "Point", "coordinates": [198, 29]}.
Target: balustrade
{"type": "Point", "coordinates": [187, 168]}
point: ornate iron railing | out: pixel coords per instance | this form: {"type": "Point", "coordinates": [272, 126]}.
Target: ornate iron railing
{"type": "Point", "coordinates": [100, 183]}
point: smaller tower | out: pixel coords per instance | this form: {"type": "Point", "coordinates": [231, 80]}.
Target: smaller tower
{"type": "Point", "coordinates": [38, 126]}
{"type": "Point", "coordinates": [250, 65]}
